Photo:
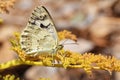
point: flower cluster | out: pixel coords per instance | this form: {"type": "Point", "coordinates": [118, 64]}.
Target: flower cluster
{"type": "Point", "coordinates": [62, 58]}
{"type": "Point", "coordinates": [5, 4]}
{"type": "Point", "coordinates": [65, 34]}
{"type": "Point", "coordinates": [9, 77]}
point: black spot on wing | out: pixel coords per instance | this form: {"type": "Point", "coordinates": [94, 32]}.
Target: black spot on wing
{"type": "Point", "coordinates": [24, 36]}
{"type": "Point", "coordinates": [43, 26]}
{"type": "Point", "coordinates": [22, 42]}
{"type": "Point", "coordinates": [33, 14]}
{"type": "Point", "coordinates": [31, 22]}
{"type": "Point", "coordinates": [24, 48]}
{"type": "Point", "coordinates": [26, 31]}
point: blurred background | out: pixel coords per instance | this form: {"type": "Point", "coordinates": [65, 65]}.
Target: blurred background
{"type": "Point", "coordinates": [96, 23]}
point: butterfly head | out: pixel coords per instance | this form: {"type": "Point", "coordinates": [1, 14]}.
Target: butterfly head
{"type": "Point", "coordinates": [59, 47]}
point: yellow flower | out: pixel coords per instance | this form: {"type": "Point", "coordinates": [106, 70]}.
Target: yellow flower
{"type": "Point", "coordinates": [62, 58]}
{"type": "Point", "coordinates": [65, 34]}
{"type": "Point", "coordinates": [5, 4]}
{"type": "Point", "coordinates": [1, 20]}
{"type": "Point", "coordinates": [10, 77]}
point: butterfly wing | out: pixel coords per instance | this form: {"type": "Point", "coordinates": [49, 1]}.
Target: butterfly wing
{"type": "Point", "coordinates": [40, 35]}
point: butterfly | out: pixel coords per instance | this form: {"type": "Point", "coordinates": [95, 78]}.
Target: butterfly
{"type": "Point", "coordinates": [40, 35]}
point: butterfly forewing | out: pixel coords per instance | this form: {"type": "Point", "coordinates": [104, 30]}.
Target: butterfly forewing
{"type": "Point", "coordinates": [40, 35]}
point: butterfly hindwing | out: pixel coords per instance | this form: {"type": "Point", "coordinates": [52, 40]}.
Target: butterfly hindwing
{"type": "Point", "coordinates": [40, 35]}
